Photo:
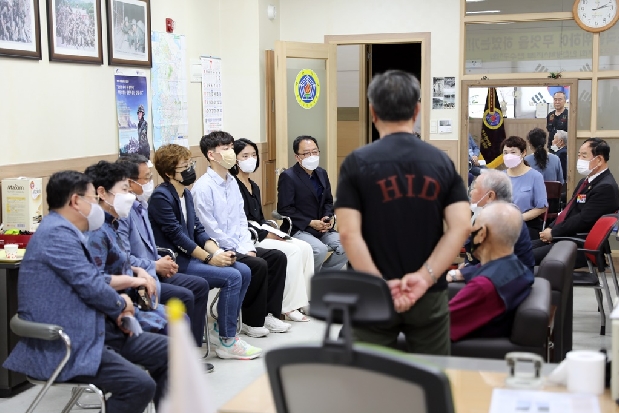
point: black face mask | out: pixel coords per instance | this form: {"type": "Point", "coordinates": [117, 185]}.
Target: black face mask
{"type": "Point", "coordinates": [474, 246]}
{"type": "Point", "coordinates": [189, 176]}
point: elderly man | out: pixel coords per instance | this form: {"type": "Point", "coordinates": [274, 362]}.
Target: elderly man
{"type": "Point", "coordinates": [485, 307]}
{"type": "Point", "coordinates": [59, 283]}
{"type": "Point", "coordinates": [557, 119]}
{"type": "Point", "coordinates": [490, 186]}
{"type": "Point", "coordinates": [559, 147]}
{"type": "Point", "coordinates": [595, 195]}
{"type": "Point", "coordinates": [403, 215]}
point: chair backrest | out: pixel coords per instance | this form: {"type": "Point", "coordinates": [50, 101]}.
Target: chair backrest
{"type": "Point", "coordinates": [597, 237]}
{"type": "Point", "coordinates": [553, 194]}
{"type": "Point", "coordinates": [341, 377]}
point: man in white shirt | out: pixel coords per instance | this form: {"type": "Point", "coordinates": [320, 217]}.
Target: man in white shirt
{"type": "Point", "coordinates": [219, 206]}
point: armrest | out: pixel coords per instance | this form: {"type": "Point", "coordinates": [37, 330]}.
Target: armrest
{"type": "Point", "coordinates": [167, 251]}
{"type": "Point", "coordinates": [454, 288]}
{"type": "Point", "coordinates": [281, 217]}
{"type": "Point", "coordinates": [578, 241]}
{"type": "Point", "coordinates": [30, 329]}
{"type": "Point", "coordinates": [530, 326]}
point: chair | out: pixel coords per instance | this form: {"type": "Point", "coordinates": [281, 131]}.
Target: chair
{"type": "Point", "coordinates": [596, 249]}
{"type": "Point", "coordinates": [50, 332]}
{"type": "Point", "coordinates": [557, 267]}
{"type": "Point", "coordinates": [553, 193]}
{"type": "Point", "coordinates": [529, 330]}
{"type": "Point", "coordinates": [340, 376]}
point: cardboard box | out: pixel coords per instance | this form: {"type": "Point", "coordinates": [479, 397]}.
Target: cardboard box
{"type": "Point", "coordinates": [22, 203]}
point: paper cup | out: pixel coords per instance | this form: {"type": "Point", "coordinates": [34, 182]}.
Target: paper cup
{"type": "Point", "coordinates": [11, 251]}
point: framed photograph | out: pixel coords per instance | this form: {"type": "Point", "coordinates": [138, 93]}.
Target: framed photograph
{"type": "Point", "coordinates": [128, 30]}
{"type": "Point", "coordinates": [74, 31]}
{"type": "Point", "coordinates": [20, 29]}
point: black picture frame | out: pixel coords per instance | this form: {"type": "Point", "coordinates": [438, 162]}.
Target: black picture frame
{"type": "Point", "coordinates": [20, 29]}
{"type": "Point", "coordinates": [129, 33]}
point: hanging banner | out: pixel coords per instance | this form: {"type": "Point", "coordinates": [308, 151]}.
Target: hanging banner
{"type": "Point", "coordinates": [212, 100]}
{"type": "Point", "coordinates": [168, 79]}
{"type": "Point", "coordinates": [132, 112]}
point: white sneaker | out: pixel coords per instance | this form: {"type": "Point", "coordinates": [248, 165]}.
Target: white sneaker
{"type": "Point", "coordinates": [254, 331]}
{"type": "Point", "coordinates": [275, 325]}
{"type": "Point", "coordinates": [239, 350]}
{"type": "Point", "coordinates": [213, 334]}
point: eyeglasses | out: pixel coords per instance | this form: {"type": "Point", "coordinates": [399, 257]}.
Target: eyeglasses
{"type": "Point", "coordinates": [312, 153]}
{"type": "Point", "coordinates": [190, 165]}
{"type": "Point", "coordinates": [95, 197]}
{"type": "Point", "coordinates": [147, 178]}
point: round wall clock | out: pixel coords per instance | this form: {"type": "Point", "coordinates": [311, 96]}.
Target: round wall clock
{"type": "Point", "coordinates": [595, 15]}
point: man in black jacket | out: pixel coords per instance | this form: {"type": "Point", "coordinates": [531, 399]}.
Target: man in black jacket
{"type": "Point", "coordinates": [595, 196]}
{"type": "Point", "coordinates": [304, 195]}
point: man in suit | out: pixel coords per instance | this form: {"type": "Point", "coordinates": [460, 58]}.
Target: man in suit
{"type": "Point", "coordinates": [559, 147]}
{"type": "Point", "coordinates": [596, 195]}
{"type": "Point", "coordinates": [60, 284]}
{"type": "Point", "coordinates": [304, 195]}
{"type": "Point", "coordinates": [137, 235]}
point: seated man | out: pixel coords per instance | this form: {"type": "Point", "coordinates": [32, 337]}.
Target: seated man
{"type": "Point", "coordinates": [137, 235]}
{"type": "Point", "coordinates": [220, 207]}
{"type": "Point", "coordinates": [595, 195]}
{"type": "Point", "coordinates": [59, 283]}
{"type": "Point", "coordinates": [474, 166]}
{"type": "Point", "coordinates": [490, 186]}
{"type": "Point", "coordinates": [304, 195]}
{"type": "Point", "coordinates": [485, 307]}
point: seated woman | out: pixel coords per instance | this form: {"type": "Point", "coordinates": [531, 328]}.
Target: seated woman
{"type": "Point", "coordinates": [300, 266]}
{"type": "Point", "coordinates": [528, 189]}
{"type": "Point", "coordinates": [547, 164]}
{"type": "Point", "coordinates": [105, 245]}
{"type": "Point", "coordinates": [176, 226]}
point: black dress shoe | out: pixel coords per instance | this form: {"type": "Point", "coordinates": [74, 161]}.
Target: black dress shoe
{"type": "Point", "coordinates": [209, 367]}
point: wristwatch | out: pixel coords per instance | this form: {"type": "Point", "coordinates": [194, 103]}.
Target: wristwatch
{"type": "Point", "coordinates": [451, 275]}
{"type": "Point", "coordinates": [208, 258]}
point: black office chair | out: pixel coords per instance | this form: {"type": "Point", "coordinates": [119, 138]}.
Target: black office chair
{"type": "Point", "coordinates": [339, 376]}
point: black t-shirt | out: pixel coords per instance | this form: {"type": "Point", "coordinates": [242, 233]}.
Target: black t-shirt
{"type": "Point", "coordinates": [401, 185]}
{"type": "Point", "coordinates": [555, 123]}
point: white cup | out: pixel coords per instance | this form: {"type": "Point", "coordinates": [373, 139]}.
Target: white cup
{"type": "Point", "coordinates": [11, 251]}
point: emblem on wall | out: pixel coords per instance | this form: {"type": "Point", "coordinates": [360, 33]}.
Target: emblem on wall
{"type": "Point", "coordinates": [307, 88]}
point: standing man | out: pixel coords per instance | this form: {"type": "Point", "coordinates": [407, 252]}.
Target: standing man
{"type": "Point", "coordinates": [304, 195]}
{"type": "Point", "coordinates": [393, 199]}
{"type": "Point", "coordinates": [557, 119]}
{"type": "Point", "coordinates": [143, 146]}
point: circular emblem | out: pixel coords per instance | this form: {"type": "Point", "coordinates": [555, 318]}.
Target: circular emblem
{"type": "Point", "coordinates": [493, 119]}
{"type": "Point", "coordinates": [307, 88]}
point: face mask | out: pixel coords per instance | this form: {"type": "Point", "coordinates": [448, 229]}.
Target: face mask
{"type": "Point", "coordinates": [554, 148]}
{"type": "Point", "coordinates": [189, 176]}
{"type": "Point", "coordinates": [95, 218]}
{"type": "Point", "coordinates": [147, 191]}
{"type": "Point", "coordinates": [228, 158]}
{"type": "Point", "coordinates": [475, 246]}
{"type": "Point", "coordinates": [310, 163]}
{"type": "Point", "coordinates": [122, 203]}
{"type": "Point", "coordinates": [475, 209]}
{"type": "Point", "coordinates": [248, 165]}
{"type": "Point", "coordinates": [582, 166]}
{"type": "Point", "coordinates": [511, 161]}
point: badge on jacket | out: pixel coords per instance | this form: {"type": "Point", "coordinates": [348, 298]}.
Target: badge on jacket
{"type": "Point", "coordinates": [581, 199]}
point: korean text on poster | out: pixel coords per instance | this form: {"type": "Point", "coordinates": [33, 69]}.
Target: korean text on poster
{"type": "Point", "coordinates": [132, 112]}
{"type": "Point", "coordinates": [212, 99]}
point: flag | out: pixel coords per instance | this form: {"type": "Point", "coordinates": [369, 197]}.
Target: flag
{"type": "Point", "coordinates": [188, 389]}
{"type": "Point", "coordinates": [492, 130]}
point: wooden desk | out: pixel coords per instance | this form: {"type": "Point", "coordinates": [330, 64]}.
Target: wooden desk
{"type": "Point", "coordinates": [472, 393]}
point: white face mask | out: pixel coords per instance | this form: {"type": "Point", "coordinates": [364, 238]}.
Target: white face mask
{"type": "Point", "coordinates": [511, 161]}
{"type": "Point", "coordinates": [476, 209]}
{"type": "Point", "coordinates": [554, 148]}
{"type": "Point", "coordinates": [147, 191]}
{"type": "Point", "coordinates": [95, 218]}
{"type": "Point", "coordinates": [248, 165]}
{"type": "Point", "coordinates": [582, 166]}
{"type": "Point", "coordinates": [122, 203]}
{"type": "Point", "coordinates": [311, 162]}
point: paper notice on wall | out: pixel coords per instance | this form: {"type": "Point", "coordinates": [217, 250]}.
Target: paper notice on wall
{"type": "Point", "coordinates": [132, 111]}
{"type": "Point", "coordinates": [212, 99]}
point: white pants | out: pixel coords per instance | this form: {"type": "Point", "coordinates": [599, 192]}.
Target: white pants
{"type": "Point", "coordinates": [299, 270]}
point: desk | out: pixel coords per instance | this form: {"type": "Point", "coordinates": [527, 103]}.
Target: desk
{"type": "Point", "coordinates": [10, 382]}
{"type": "Point", "coordinates": [472, 393]}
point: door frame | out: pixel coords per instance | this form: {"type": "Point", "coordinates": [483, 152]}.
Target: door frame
{"type": "Point", "coordinates": [425, 81]}
{"type": "Point", "coordinates": [305, 51]}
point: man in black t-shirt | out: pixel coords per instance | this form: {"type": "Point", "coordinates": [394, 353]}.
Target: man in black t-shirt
{"type": "Point", "coordinates": [558, 118]}
{"type": "Point", "coordinates": [393, 198]}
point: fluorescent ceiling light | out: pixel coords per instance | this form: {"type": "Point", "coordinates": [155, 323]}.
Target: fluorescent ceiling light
{"type": "Point", "coordinates": [483, 11]}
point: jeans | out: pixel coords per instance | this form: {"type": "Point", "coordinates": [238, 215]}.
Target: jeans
{"type": "Point", "coordinates": [233, 282]}
{"type": "Point", "coordinates": [321, 246]}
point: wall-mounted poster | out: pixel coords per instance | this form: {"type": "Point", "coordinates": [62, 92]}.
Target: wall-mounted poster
{"type": "Point", "coordinates": [20, 29]}
{"type": "Point", "coordinates": [444, 93]}
{"type": "Point", "coordinates": [132, 112]}
{"type": "Point", "coordinates": [128, 32]}
{"type": "Point", "coordinates": [212, 99]}
{"type": "Point", "coordinates": [74, 31]}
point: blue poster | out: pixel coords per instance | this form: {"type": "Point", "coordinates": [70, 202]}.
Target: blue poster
{"type": "Point", "coordinates": [132, 112]}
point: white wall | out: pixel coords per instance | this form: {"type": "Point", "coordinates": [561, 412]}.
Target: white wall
{"type": "Point", "coordinates": [440, 17]}
{"type": "Point", "coordinates": [269, 33]}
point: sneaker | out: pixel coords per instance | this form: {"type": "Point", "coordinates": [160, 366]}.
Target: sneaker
{"type": "Point", "coordinates": [239, 350]}
{"type": "Point", "coordinates": [275, 325]}
{"type": "Point", "coordinates": [213, 334]}
{"type": "Point", "coordinates": [254, 331]}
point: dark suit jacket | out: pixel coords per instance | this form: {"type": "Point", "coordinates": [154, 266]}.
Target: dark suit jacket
{"type": "Point", "coordinates": [562, 154]}
{"type": "Point", "coordinates": [169, 226]}
{"type": "Point", "coordinates": [602, 197]}
{"type": "Point", "coordinates": [297, 199]}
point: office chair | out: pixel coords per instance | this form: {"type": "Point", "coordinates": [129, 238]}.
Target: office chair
{"type": "Point", "coordinates": [553, 194]}
{"type": "Point", "coordinates": [339, 376]}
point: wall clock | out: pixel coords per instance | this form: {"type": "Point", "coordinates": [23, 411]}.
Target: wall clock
{"type": "Point", "coordinates": [595, 15]}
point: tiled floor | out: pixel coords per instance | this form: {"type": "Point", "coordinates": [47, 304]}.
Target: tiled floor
{"type": "Point", "coordinates": [231, 376]}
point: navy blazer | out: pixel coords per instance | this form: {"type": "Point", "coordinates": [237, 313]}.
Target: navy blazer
{"type": "Point", "coordinates": [169, 226]}
{"type": "Point", "coordinates": [297, 199]}
{"type": "Point", "coordinates": [602, 198]}
{"type": "Point", "coordinates": [60, 284]}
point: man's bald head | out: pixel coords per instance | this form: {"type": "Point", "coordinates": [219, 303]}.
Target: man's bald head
{"type": "Point", "coordinates": [503, 223]}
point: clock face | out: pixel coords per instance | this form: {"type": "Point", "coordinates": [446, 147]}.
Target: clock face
{"type": "Point", "coordinates": [597, 13]}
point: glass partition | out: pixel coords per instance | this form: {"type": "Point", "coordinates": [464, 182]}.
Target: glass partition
{"type": "Point", "coordinates": [490, 7]}
{"type": "Point", "coordinates": [608, 101]}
